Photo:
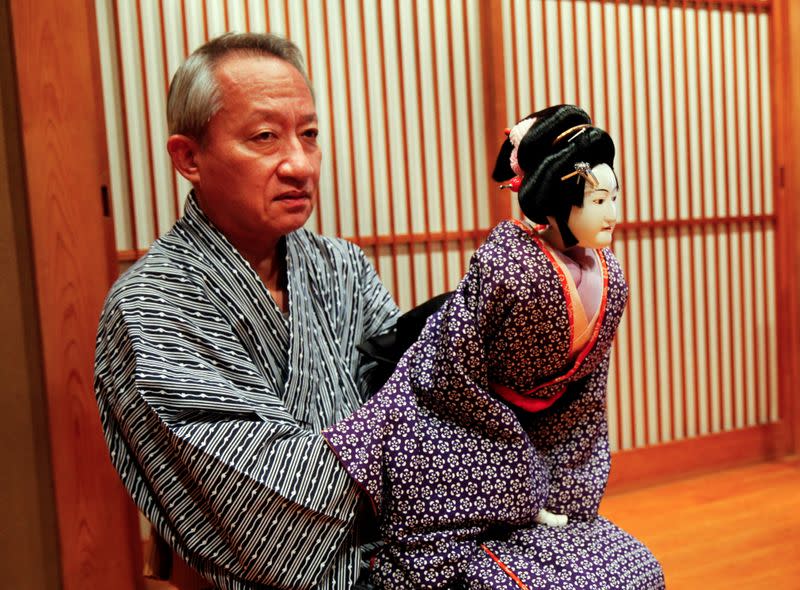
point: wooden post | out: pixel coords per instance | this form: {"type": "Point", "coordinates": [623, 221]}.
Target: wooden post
{"type": "Point", "coordinates": [785, 48]}
{"type": "Point", "coordinates": [495, 117]}
{"type": "Point", "coordinates": [64, 162]}
{"type": "Point", "coordinates": [28, 535]}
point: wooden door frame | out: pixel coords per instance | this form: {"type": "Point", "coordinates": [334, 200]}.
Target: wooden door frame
{"type": "Point", "coordinates": [785, 36]}
{"type": "Point", "coordinates": [64, 157]}
{"type": "Point", "coordinates": [64, 163]}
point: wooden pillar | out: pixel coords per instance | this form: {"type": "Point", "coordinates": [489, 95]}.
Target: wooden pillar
{"type": "Point", "coordinates": [495, 116]}
{"type": "Point", "coordinates": [63, 162]}
{"type": "Point", "coordinates": [785, 38]}
{"type": "Point", "coordinates": [28, 533]}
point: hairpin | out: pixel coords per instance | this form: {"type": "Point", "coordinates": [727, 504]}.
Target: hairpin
{"type": "Point", "coordinates": [514, 184]}
{"type": "Point", "coordinates": [577, 128]}
{"type": "Point", "coordinates": [583, 169]}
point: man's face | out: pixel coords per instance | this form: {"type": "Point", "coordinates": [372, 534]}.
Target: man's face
{"type": "Point", "coordinates": [593, 224]}
{"type": "Point", "coordinates": [258, 166]}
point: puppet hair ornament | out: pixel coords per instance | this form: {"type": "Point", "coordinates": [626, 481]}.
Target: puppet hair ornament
{"type": "Point", "coordinates": [583, 169]}
{"type": "Point", "coordinates": [578, 128]}
{"type": "Point", "coordinates": [543, 151]}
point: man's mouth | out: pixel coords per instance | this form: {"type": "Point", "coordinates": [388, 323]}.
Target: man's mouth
{"type": "Point", "coordinates": [293, 196]}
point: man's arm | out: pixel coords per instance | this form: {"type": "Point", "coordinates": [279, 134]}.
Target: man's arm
{"type": "Point", "coordinates": [380, 315]}
{"type": "Point", "coordinates": [239, 488]}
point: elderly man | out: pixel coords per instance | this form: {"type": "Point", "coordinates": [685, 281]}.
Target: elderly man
{"type": "Point", "coordinates": [230, 345]}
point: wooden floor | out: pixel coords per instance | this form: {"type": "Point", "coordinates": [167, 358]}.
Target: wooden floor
{"type": "Point", "coordinates": [732, 529]}
{"type": "Point", "coordinates": [737, 529]}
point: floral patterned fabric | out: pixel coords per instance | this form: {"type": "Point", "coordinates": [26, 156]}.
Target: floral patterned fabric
{"type": "Point", "coordinates": [457, 476]}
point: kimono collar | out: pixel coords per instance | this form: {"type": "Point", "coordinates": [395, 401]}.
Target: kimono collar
{"type": "Point", "coordinates": [296, 353]}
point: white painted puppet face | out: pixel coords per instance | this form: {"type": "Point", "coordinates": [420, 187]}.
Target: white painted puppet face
{"type": "Point", "coordinates": [593, 224]}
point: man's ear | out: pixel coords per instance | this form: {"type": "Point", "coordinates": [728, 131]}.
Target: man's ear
{"type": "Point", "coordinates": [183, 150]}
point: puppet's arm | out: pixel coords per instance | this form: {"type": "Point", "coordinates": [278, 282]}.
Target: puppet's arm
{"type": "Point", "coordinates": [572, 438]}
{"type": "Point", "coordinates": [548, 518]}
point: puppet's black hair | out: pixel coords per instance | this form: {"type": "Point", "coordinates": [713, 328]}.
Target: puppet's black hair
{"type": "Point", "coordinates": [545, 162]}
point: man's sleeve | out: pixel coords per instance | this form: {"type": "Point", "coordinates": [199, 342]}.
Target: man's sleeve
{"type": "Point", "coordinates": [238, 487]}
{"type": "Point", "coordinates": [380, 313]}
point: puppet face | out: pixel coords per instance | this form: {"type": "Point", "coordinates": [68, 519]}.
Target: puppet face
{"type": "Point", "coordinates": [593, 224]}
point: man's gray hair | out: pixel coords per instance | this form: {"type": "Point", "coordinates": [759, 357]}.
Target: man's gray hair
{"type": "Point", "coordinates": [194, 94]}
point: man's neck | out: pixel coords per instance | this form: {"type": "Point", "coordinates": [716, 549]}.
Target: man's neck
{"type": "Point", "coordinates": [267, 258]}
{"type": "Point", "coordinates": [270, 266]}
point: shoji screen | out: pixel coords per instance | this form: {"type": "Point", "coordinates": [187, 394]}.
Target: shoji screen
{"type": "Point", "coordinates": [683, 88]}
{"type": "Point", "coordinates": [398, 91]}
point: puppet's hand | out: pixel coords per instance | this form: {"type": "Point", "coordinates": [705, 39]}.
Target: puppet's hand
{"type": "Point", "coordinates": [550, 519]}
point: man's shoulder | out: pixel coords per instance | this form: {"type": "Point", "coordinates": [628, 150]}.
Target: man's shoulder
{"type": "Point", "coordinates": [154, 274]}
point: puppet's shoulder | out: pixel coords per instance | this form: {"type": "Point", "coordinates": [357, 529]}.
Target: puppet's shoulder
{"type": "Point", "coordinates": [510, 241]}
{"type": "Point", "coordinates": [612, 262]}
{"type": "Point", "coordinates": [616, 277]}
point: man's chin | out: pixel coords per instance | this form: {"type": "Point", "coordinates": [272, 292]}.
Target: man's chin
{"type": "Point", "coordinates": [295, 220]}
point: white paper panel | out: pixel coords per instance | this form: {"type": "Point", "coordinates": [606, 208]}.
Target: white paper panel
{"type": "Point", "coordinates": [399, 90]}
{"type": "Point", "coordinates": [397, 85]}
{"type": "Point", "coordinates": [685, 95]}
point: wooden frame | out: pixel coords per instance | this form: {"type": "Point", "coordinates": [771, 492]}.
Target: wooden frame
{"type": "Point", "coordinates": [494, 101]}
{"type": "Point", "coordinates": [28, 540]}
{"type": "Point", "coordinates": [642, 467]}
{"type": "Point", "coordinates": [74, 263]}
{"type": "Point", "coordinates": [786, 109]}
{"type": "Point", "coordinates": [64, 155]}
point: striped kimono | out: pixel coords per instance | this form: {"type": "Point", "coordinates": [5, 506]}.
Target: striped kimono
{"type": "Point", "coordinates": [212, 401]}
{"type": "Point", "coordinates": [498, 411]}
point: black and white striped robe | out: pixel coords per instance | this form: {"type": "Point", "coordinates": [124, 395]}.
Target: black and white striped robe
{"type": "Point", "coordinates": [213, 401]}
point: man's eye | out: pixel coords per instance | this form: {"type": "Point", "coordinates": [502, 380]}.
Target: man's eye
{"type": "Point", "coordinates": [264, 136]}
{"type": "Point", "coordinates": [311, 133]}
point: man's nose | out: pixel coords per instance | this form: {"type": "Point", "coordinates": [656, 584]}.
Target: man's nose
{"type": "Point", "coordinates": [297, 161]}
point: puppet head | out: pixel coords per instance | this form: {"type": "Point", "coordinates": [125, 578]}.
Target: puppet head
{"type": "Point", "coordinates": [550, 154]}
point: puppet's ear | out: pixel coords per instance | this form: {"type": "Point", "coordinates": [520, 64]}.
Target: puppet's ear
{"type": "Point", "coordinates": [502, 167]}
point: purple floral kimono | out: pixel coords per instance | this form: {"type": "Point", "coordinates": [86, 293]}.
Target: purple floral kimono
{"type": "Point", "coordinates": [457, 475]}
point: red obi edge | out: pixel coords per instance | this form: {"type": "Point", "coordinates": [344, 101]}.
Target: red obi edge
{"type": "Point", "coordinates": [521, 400]}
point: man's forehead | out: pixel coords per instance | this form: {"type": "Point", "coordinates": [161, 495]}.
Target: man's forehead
{"type": "Point", "coordinates": [267, 113]}
{"type": "Point", "coordinates": [264, 75]}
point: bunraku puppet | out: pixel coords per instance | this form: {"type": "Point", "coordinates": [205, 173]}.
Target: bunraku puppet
{"type": "Point", "coordinates": [486, 455]}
